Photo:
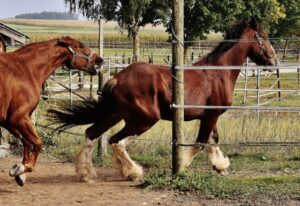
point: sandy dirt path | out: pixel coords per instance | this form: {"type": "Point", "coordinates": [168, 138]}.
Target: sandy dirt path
{"type": "Point", "coordinates": [55, 183]}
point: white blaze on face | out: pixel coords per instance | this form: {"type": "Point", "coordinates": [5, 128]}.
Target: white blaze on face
{"type": "Point", "coordinates": [273, 57]}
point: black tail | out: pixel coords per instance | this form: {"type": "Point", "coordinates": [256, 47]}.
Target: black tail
{"type": "Point", "coordinates": [80, 113]}
{"type": "Point", "coordinates": [84, 112]}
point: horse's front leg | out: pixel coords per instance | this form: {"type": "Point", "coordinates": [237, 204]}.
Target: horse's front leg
{"type": "Point", "coordinates": [32, 147]}
{"type": "Point", "coordinates": [129, 168]}
{"type": "Point", "coordinates": [214, 154]}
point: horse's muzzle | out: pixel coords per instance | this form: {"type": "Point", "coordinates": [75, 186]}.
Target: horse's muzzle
{"type": "Point", "coordinates": [96, 69]}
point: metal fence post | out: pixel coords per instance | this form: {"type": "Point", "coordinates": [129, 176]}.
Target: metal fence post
{"type": "Point", "coordinates": [257, 92]}
{"type": "Point", "coordinates": [246, 82]}
{"type": "Point", "coordinates": [278, 84]}
{"type": "Point", "coordinates": [70, 85]}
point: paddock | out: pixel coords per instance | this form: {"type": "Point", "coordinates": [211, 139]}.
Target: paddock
{"type": "Point", "coordinates": [109, 180]}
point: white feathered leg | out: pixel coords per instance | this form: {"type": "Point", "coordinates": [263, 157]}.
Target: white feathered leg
{"type": "Point", "coordinates": [83, 163]}
{"type": "Point", "coordinates": [129, 168]}
{"type": "Point", "coordinates": [216, 158]}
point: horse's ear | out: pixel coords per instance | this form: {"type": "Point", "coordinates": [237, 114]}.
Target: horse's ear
{"type": "Point", "coordinates": [64, 41]}
{"type": "Point", "coordinates": [253, 23]}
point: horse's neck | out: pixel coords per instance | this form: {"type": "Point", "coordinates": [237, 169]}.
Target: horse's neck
{"type": "Point", "coordinates": [235, 56]}
{"type": "Point", "coordinates": [42, 62]}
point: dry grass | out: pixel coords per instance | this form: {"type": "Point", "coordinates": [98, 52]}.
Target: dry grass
{"type": "Point", "coordinates": [70, 23]}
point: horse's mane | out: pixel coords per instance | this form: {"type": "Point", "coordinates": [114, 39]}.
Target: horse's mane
{"type": "Point", "coordinates": [233, 34]}
{"type": "Point", "coordinates": [35, 45]}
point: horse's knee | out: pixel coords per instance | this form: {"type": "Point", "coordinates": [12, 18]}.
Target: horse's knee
{"type": "Point", "coordinates": [215, 135]}
{"type": "Point", "coordinates": [38, 143]}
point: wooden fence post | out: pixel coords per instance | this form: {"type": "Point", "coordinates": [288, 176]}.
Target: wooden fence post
{"type": "Point", "coordinates": [102, 143]}
{"type": "Point", "coordinates": [278, 84]}
{"type": "Point", "coordinates": [91, 86]}
{"type": "Point", "coordinates": [298, 69]}
{"type": "Point", "coordinates": [178, 86]}
{"type": "Point", "coordinates": [1, 136]}
{"type": "Point", "coordinates": [80, 80]}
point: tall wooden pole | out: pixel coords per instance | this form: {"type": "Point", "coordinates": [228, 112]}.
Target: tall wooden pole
{"type": "Point", "coordinates": [102, 143]}
{"type": "Point", "coordinates": [178, 86]}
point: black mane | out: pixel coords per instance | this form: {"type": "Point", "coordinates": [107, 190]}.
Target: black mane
{"type": "Point", "coordinates": [233, 34]}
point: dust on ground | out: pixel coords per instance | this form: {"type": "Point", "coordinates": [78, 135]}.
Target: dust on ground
{"type": "Point", "coordinates": [55, 183]}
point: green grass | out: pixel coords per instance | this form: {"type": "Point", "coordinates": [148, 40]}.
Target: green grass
{"type": "Point", "coordinates": [212, 185]}
{"type": "Point", "coordinates": [270, 173]}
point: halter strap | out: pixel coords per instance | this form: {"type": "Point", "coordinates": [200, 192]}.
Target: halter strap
{"type": "Point", "coordinates": [76, 54]}
{"type": "Point", "coordinates": [262, 46]}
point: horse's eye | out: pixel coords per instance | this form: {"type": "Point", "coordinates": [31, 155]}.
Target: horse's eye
{"type": "Point", "coordinates": [82, 46]}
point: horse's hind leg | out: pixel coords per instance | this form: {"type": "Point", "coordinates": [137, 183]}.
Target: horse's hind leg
{"type": "Point", "coordinates": [83, 163]}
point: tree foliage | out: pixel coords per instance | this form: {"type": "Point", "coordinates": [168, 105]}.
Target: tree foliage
{"type": "Point", "coordinates": [205, 16]}
{"type": "Point", "coordinates": [290, 25]}
{"type": "Point", "coordinates": [130, 14]}
{"type": "Point", "coordinates": [88, 8]}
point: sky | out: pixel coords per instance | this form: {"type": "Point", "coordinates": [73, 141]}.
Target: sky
{"type": "Point", "coordinates": [11, 8]}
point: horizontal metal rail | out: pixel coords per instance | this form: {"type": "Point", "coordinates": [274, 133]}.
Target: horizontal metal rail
{"type": "Point", "coordinates": [287, 67]}
{"type": "Point", "coordinates": [234, 107]}
{"type": "Point", "coordinates": [242, 144]}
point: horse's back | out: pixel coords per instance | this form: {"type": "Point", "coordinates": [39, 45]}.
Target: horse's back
{"type": "Point", "coordinates": [143, 89]}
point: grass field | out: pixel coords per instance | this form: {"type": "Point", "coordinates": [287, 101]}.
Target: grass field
{"type": "Point", "coordinates": [86, 31]}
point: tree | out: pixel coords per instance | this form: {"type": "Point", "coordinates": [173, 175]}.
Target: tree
{"type": "Point", "coordinates": [290, 25]}
{"type": "Point", "coordinates": [130, 14]}
{"type": "Point", "coordinates": [205, 16]}
{"type": "Point", "coordinates": [133, 14]}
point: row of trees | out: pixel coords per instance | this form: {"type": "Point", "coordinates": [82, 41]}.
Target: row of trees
{"type": "Point", "coordinates": [279, 17]}
{"type": "Point", "coordinates": [48, 15]}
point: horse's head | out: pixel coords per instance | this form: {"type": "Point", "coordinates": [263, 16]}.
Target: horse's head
{"type": "Point", "coordinates": [261, 50]}
{"type": "Point", "coordinates": [79, 56]}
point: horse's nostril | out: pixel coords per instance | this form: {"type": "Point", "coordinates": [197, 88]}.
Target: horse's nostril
{"type": "Point", "coordinates": [100, 61]}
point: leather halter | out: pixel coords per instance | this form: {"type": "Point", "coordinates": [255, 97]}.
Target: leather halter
{"type": "Point", "coordinates": [263, 50]}
{"type": "Point", "coordinates": [76, 54]}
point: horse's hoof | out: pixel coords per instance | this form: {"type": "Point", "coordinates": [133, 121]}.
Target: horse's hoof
{"type": "Point", "coordinates": [20, 179]}
{"type": "Point", "coordinates": [87, 179]}
{"type": "Point", "coordinates": [16, 170]}
{"type": "Point", "coordinates": [220, 172]}
{"type": "Point", "coordinates": [223, 172]}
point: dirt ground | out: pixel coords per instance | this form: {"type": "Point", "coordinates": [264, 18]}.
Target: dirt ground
{"type": "Point", "coordinates": [55, 183]}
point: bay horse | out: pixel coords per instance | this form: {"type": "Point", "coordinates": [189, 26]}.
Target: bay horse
{"type": "Point", "coordinates": [22, 74]}
{"type": "Point", "coordinates": [141, 94]}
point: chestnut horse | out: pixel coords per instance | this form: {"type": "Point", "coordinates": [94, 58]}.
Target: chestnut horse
{"type": "Point", "coordinates": [141, 95]}
{"type": "Point", "coordinates": [22, 74]}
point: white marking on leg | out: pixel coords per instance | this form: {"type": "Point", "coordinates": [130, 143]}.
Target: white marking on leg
{"type": "Point", "coordinates": [129, 168]}
{"type": "Point", "coordinates": [83, 163]}
{"type": "Point", "coordinates": [17, 169]}
{"type": "Point", "coordinates": [216, 158]}
{"type": "Point", "coordinates": [188, 155]}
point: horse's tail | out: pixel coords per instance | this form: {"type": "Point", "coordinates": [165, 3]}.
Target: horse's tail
{"type": "Point", "coordinates": [83, 112]}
